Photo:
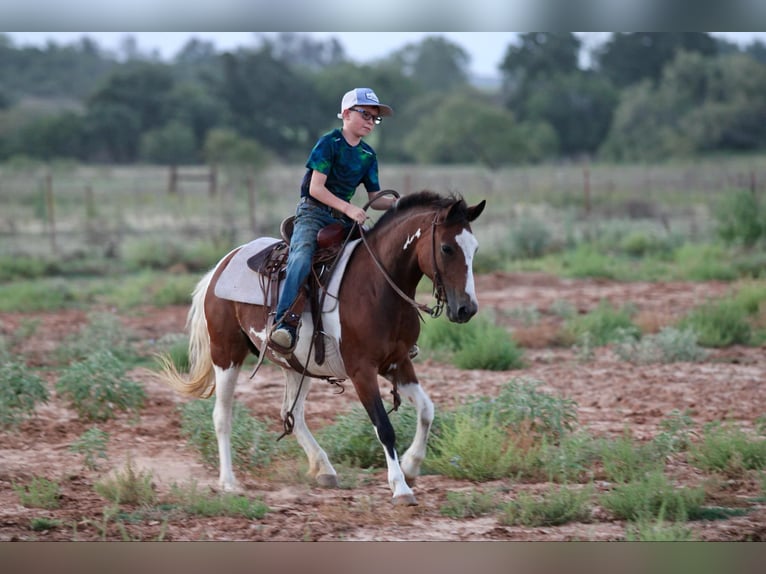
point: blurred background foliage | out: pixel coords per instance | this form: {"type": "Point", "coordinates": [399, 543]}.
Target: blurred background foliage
{"type": "Point", "coordinates": [640, 97]}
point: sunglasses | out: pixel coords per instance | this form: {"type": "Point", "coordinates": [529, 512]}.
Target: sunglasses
{"type": "Point", "coordinates": [368, 116]}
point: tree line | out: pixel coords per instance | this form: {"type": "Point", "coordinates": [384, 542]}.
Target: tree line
{"type": "Point", "coordinates": [642, 97]}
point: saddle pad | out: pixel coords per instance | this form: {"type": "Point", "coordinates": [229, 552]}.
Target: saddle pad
{"type": "Point", "coordinates": [240, 283]}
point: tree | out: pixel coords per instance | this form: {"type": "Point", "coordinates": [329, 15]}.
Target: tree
{"type": "Point", "coordinates": [464, 128]}
{"type": "Point", "coordinates": [171, 144]}
{"type": "Point", "coordinates": [435, 62]}
{"type": "Point", "coordinates": [628, 58]}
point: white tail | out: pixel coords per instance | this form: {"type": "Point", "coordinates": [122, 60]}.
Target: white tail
{"type": "Point", "coordinates": [201, 378]}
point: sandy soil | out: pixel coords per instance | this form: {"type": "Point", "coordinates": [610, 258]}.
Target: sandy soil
{"type": "Point", "coordinates": [611, 396]}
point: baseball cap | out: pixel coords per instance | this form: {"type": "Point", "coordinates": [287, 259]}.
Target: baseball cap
{"type": "Point", "coordinates": [363, 97]}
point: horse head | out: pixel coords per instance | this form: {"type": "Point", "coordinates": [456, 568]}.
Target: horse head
{"type": "Point", "coordinates": [453, 247]}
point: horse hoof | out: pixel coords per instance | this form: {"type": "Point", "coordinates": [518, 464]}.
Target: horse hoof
{"type": "Point", "coordinates": [327, 480]}
{"type": "Point", "coordinates": [405, 500]}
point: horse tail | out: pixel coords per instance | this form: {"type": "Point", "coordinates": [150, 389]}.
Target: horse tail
{"type": "Point", "coordinates": [201, 377]}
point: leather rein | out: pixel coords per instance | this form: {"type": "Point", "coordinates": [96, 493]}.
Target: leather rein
{"type": "Point", "coordinates": [438, 291]}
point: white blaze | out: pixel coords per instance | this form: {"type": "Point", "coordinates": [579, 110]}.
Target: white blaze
{"type": "Point", "coordinates": [469, 244]}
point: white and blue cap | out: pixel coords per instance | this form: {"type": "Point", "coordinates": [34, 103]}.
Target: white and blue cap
{"type": "Point", "coordinates": [363, 97]}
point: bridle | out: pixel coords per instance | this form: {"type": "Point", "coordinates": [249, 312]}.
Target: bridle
{"type": "Point", "coordinates": [439, 292]}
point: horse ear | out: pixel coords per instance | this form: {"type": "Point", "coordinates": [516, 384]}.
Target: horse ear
{"type": "Point", "coordinates": [475, 211]}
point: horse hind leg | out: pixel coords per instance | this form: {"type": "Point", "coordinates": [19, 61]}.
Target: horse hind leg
{"type": "Point", "coordinates": [319, 464]}
{"type": "Point", "coordinates": [225, 380]}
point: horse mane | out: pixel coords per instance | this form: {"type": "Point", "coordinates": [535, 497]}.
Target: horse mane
{"type": "Point", "coordinates": [423, 199]}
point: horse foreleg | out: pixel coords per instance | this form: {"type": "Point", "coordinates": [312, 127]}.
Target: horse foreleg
{"type": "Point", "coordinates": [413, 457]}
{"type": "Point", "coordinates": [225, 381]}
{"type": "Point", "coordinates": [369, 394]}
{"type": "Point", "coordinates": [319, 465]}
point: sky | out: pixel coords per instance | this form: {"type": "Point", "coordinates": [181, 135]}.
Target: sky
{"type": "Point", "coordinates": [486, 49]}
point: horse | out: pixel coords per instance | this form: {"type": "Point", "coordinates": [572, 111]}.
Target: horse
{"type": "Point", "coordinates": [373, 326]}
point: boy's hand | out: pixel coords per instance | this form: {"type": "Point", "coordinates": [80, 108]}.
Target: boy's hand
{"type": "Point", "coordinates": [356, 213]}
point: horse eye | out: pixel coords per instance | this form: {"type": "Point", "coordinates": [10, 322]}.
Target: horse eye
{"type": "Point", "coordinates": [447, 249]}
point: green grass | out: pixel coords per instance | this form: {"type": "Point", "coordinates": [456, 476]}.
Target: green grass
{"type": "Point", "coordinates": [92, 445]}
{"type": "Point", "coordinates": [468, 504]}
{"type": "Point", "coordinates": [719, 323]}
{"type": "Point", "coordinates": [670, 345]}
{"type": "Point", "coordinates": [603, 325]}
{"type": "Point", "coordinates": [624, 460]}
{"type": "Point", "coordinates": [197, 503]}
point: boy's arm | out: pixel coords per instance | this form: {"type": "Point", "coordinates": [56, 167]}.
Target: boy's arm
{"type": "Point", "coordinates": [319, 192]}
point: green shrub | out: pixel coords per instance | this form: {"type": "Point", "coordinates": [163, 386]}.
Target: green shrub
{"type": "Point", "coordinates": [719, 324]}
{"type": "Point", "coordinates": [478, 344]}
{"type": "Point", "coordinates": [13, 267]}
{"type": "Point", "coordinates": [670, 345]}
{"type": "Point", "coordinates": [37, 295]}
{"type": "Point", "coordinates": [559, 505]}
{"type": "Point", "coordinates": [478, 448]}
{"type": "Point", "coordinates": [604, 324]}
{"type": "Point", "coordinates": [97, 387]}
{"type": "Point", "coordinates": [585, 261]}
{"type": "Point", "coordinates": [650, 529]}
{"type": "Point", "coordinates": [252, 445]}
{"type": "Point", "coordinates": [40, 493]}
{"type": "Point", "coordinates": [20, 392]}
{"type": "Point", "coordinates": [520, 406]}
{"type": "Point", "coordinates": [570, 459]}
{"type": "Point", "coordinates": [729, 450]}
{"type": "Point", "coordinates": [651, 497]}
{"type": "Point", "coordinates": [675, 435]}
{"type": "Point", "coordinates": [703, 262]}
{"type": "Point", "coordinates": [741, 218]}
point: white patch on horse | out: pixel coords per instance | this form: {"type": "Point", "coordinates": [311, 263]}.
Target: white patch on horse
{"type": "Point", "coordinates": [410, 239]}
{"type": "Point", "coordinates": [469, 244]}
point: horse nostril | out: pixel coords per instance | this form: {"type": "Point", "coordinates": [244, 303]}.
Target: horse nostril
{"type": "Point", "coordinates": [464, 313]}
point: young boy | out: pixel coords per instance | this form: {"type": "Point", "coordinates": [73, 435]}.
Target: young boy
{"type": "Point", "coordinates": [338, 163]}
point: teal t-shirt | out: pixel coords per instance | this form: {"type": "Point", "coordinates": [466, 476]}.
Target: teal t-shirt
{"type": "Point", "coordinates": [344, 165]}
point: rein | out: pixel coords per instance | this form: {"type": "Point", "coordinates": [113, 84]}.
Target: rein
{"type": "Point", "coordinates": [438, 291]}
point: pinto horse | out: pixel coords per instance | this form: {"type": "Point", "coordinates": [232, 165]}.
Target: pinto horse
{"type": "Point", "coordinates": [374, 325]}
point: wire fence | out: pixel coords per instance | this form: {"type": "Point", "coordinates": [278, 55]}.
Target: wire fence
{"type": "Point", "coordinates": [60, 209]}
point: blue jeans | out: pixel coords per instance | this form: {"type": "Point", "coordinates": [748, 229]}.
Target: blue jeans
{"type": "Point", "coordinates": [309, 219]}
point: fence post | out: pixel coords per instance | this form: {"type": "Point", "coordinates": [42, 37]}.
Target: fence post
{"type": "Point", "coordinates": [251, 201]}
{"type": "Point", "coordinates": [586, 188]}
{"type": "Point", "coordinates": [51, 211]}
{"type": "Point", "coordinates": [173, 179]}
{"type": "Point", "coordinates": [213, 181]}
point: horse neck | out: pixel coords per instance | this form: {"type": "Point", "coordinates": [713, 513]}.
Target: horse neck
{"type": "Point", "coordinates": [399, 247]}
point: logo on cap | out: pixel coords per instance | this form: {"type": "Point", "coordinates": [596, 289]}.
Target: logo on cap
{"type": "Point", "coordinates": [371, 97]}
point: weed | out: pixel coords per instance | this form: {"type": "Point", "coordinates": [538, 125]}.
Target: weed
{"type": "Point", "coordinates": [670, 345]}
{"type": "Point", "coordinates": [625, 461]}
{"type": "Point", "coordinates": [479, 344]}
{"type": "Point", "coordinates": [604, 324]}
{"type": "Point", "coordinates": [251, 443]}
{"type": "Point", "coordinates": [351, 437]}
{"type": "Point", "coordinates": [741, 218]}
{"type": "Point", "coordinates": [43, 523]}
{"type": "Point", "coordinates": [470, 504]}
{"type": "Point", "coordinates": [192, 501]}
{"type": "Point", "coordinates": [529, 238]}
{"type": "Point", "coordinates": [96, 387]}
{"type": "Point", "coordinates": [651, 529]}
{"type": "Point", "coordinates": [719, 324]}
{"type": "Point", "coordinates": [728, 450]}
{"type": "Point", "coordinates": [20, 392]}
{"type": "Point", "coordinates": [521, 405]}
{"type": "Point", "coordinates": [570, 459]}
{"type": "Point", "coordinates": [559, 505]}
{"type": "Point", "coordinates": [103, 331]}
{"type": "Point", "coordinates": [650, 496]}
{"type": "Point", "coordinates": [129, 486]}
{"type": "Point", "coordinates": [92, 445]}
{"type": "Point", "coordinates": [675, 435]}
{"type": "Point", "coordinates": [40, 493]}
{"type": "Point", "coordinates": [477, 448]}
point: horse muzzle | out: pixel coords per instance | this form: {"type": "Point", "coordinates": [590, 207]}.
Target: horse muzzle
{"type": "Point", "coordinates": [462, 311]}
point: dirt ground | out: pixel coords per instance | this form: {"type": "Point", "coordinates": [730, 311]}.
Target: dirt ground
{"type": "Point", "coordinates": [610, 393]}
